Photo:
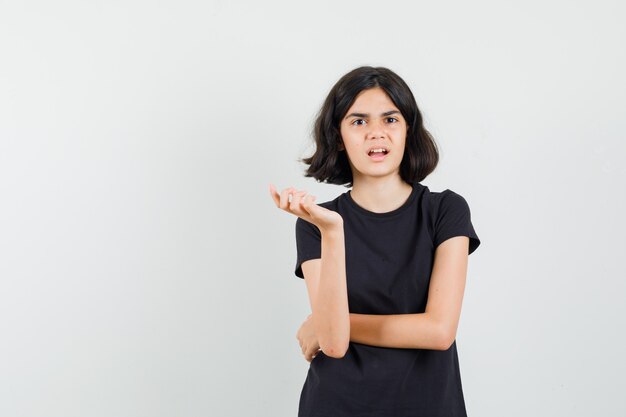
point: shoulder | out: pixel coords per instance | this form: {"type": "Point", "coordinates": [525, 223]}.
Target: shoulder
{"type": "Point", "coordinates": [450, 198]}
{"type": "Point", "coordinates": [452, 217]}
{"type": "Point", "coordinates": [444, 207]}
{"type": "Point", "coordinates": [446, 199]}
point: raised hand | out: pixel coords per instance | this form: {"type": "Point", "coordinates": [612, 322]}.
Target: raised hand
{"type": "Point", "coordinates": [303, 205]}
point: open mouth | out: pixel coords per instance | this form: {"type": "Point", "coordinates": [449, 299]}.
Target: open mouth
{"type": "Point", "coordinates": [378, 154]}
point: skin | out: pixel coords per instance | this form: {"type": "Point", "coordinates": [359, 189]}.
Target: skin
{"type": "Point", "coordinates": [332, 312]}
{"type": "Point", "coordinates": [378, 187]}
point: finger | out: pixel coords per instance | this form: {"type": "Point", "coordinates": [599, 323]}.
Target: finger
{"type": "Point", "coordinates": [307, 202]}
{"type": "Point", "coordinates": [294, 206]}
{"type": "Point", "coordinates": [275, 195]}
{"type": "Point", "coordinates": [309, 354]}
{"type": "Point", "coordinates": [284, 197]}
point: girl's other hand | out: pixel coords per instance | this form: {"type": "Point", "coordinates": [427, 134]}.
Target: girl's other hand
{"type": "Point", "coordinates": [303, 205]}
{"type": "Point", "coordinates": [307, 339]}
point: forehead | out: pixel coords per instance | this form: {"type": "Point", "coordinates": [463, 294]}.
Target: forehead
{"type": "Point", "coordinates": [372, 98]}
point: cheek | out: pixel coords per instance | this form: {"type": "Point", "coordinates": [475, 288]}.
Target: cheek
{"type": "Point", "coordinates": [401, 140]}
{"type": "Point", "coordinates": [345, 135]}
{"type": "Point", "coordinates": [348, 138]}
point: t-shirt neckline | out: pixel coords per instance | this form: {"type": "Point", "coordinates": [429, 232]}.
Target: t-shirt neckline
{"type": "Point", "coordinates": [386, 214]}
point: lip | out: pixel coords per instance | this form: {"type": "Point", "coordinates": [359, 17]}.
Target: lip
{"type": "Point", "coordinates": [377, 147]}
{"type": "Point", "coordinates": [378, 157]}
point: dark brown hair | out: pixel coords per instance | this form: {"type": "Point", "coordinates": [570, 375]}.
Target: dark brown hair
{"type": "Point", "coordinates": [330, 165]}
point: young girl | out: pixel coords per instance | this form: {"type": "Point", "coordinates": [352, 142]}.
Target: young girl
{"type": "Point", "coordinates": [384, 263]}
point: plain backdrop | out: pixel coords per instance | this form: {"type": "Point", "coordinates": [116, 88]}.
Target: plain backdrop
{"type": "Point", "coordinates": [145, 270]}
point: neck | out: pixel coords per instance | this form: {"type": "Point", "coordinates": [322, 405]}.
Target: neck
{"type": "Point", "coordinates": [380, 194]}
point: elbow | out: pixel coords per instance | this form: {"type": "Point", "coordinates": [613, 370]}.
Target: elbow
{"type": "Point", "coordinates": [447, 345]}
{"type": "Point", "coordinates": [336, 343]}
{"type": "Point", "coordinates": [336, 350]}
{"type": "Point", "coordinates": [445, 338]}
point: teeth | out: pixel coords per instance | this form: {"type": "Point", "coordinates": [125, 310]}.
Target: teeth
{"type": "Point", "coordinates": [378, 150]}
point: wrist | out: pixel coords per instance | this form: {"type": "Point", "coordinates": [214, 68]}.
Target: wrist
{"type": "Point", "coordinates": [334, 230]}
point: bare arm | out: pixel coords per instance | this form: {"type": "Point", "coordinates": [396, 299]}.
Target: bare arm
{"type": "Point", "coordinates": [436, 327]}
{"type": "Point", "coordinates": [409, 331]}
{"type": "Point", "coordinates": [328, 294]}
{"type": "Point", "coordinates": [326, 277]}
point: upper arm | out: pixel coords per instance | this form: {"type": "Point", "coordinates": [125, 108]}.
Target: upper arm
{"type": "Point", "coordinates": [311, 271]}
{"type": "Point", "coordinates": [308, 244]}
{"type": "Point", "coordinates": [453, 218]}
{"type": "Point", "coordinates": [447, 286]}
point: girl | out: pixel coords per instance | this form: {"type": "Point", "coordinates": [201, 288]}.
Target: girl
{"type": "Point", "coordinates": [384, 263]}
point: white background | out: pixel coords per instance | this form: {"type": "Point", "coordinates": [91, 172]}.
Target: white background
{"type": "Point", "coordinates": [145, 270]}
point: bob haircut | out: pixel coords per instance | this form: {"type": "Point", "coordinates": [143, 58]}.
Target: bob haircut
{"type": "Point", "coordinates": [330, 165]}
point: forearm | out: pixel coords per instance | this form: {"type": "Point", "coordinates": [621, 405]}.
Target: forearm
{"type": "Point", "coordinates": [410, 331]}
{"type": "Point", "coordinates": [331, 316]}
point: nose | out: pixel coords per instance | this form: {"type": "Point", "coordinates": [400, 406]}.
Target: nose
{"type": "Point", "coordinates": [376, 130]}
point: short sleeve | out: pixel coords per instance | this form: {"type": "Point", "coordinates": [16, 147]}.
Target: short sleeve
{"type": "Point", "coordinates": [454, 219]}
{"type": "Point", "coordinates": [308, 244]}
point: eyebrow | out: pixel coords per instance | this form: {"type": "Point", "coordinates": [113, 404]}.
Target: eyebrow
{"type": "Point", "coordinates": [387, 113]}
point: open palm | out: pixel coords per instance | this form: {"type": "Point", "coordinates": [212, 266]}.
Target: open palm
{"type": "Point", "coordinates": [303, 205]}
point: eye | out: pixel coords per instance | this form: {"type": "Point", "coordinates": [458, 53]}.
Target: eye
{"type": "Point", "coordinates": [392, 118]}
{"type": "Point", "coordinates": [358, 120]}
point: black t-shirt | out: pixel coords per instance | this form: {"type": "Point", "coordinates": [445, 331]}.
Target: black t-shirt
{"type": "Point", "coordinates": [389, 258]}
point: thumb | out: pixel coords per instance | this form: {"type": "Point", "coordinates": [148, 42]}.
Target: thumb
{"type": "Point", "coordinates": [308, 202]}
